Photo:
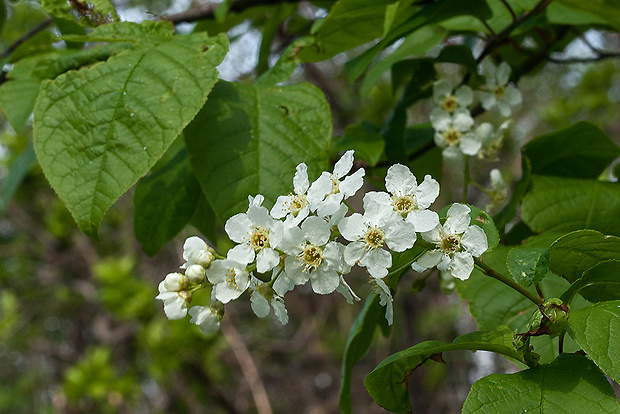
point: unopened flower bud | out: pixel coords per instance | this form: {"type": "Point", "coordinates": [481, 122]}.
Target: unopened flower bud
{"type": "Point", "coordinates": [176, 282]}
{"type": "Point", "coordinates": [204, 257]}
{"type": "Point", "coordinates": [195, 273]}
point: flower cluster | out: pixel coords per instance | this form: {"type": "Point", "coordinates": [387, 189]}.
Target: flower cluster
{"type": "Point", "coordinates": [309, 236]}
{"type": "Point", "coordinates": [455, 129]}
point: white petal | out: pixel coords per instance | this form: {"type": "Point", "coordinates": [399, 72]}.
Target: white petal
{"type": "Point", "coordinates": [433, 235]}
{"type": "Point", "coordinates": [241, 253]}
{"type": "Point", "coordinates": [386, 300]}
{"type": "Point", "coordinates": [292, 238]}
{"type": "Point", "coordinates": [400, 180]}
{"type": "Point", "coordinates": [512, 96]}
{"type": "Point", "coordinates": [206, 319]}
{"type": "Point", "coordinates": [504, 108]}
{"type": "Point", "coordinates": [427, 192]}
{"type": "Point", "coordinates": [377, 262]}
{"type": "Point", "coordinates": [266, 259]}
{"type": "Point", "coordinates": [475, 240]}
{"type": "Point", "coordinates": [344, 164]}
{"type": "Point", "coordinates": [462, 265]}
{"type": "Point", "coordinates": [469, 144]}
{"type": "Point", "coordinates": [440, 119]}
{"type": "Point", "coordinates": [295, 270]}
{"type": "Point", "coordinates": [423, 220]}
{"type": "Point", "coordinates": [256, 201]}
{"type": "Point", "coordinates": [429, 259]}
{"type": "Point", "coordinates": [225, 292]}
{"type": "Point", "coordinates": [487, 99]}
{"type": "Point", "coordinates": [352, 183]}
{"type": "Point", "coordinates": [458, 219]}
{"type": "Point", "coordinates": [345, 290]}
{"type": "Point", "coordinates": [216, 273]}
{"type": "Point", "coordinates": [300, 181]}
{"type": "Point", "coordinates": [193, 245]}
{"type": "Point", "coordinates": [280, 208]}
{"type": "Point", "coordinates": [259, 216]}
{"type": "Point", "coordinates": [353, 227]}
{"type": "Point", "coordinates": [464, 95]}
{"type": "Point", "coordinates": [452, 155]}
{"type": "Point", "coordinates": [441, 88]}
{"type": "Point", "coordinates": [462, 120]}
{"type": "Point", "coordinates": [354, 252]}
{"type": "Point", "coordinates": [400, 235]}
{"type": "Point", "coordinates": [484, 133]}
{"type": "Point", "coordinates": [279, 310]}
{"type": "Point", "coordinates": [237, 227]}
{"type": "Point", "coordinates": [502, 74]}
{"type": "Point", "coordinates": [319, 189]}
{"type": "Point", "coordinates": [175, 308]}
{"type": "Point", "coordinates": [377, 208]}
{"type": "Point", "coordinates": [260, 305]}
{"type": "Point", "coordinates": [330, 205]}
{"type": "Point", "coordinates": [324, 280]}
{"type": "Point", "coordinates": [316, 230]}
{"type": "Point", "coordinates": [283, 284]}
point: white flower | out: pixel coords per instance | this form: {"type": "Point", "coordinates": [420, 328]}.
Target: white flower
{"type": "Point", "coordinates": [456, 244]}
{"type": "Point", "coordinates": [262, 296]}
{"type": "Point", "coordinates": [491, 139]}
{"type": "Point", "coordinates": [295, 205]}
{"type": "Point", "coordinates": [311, 256]}
{"type": "Point", "coordinates": [229, 278]}
{"type": "Point", "coordinates": [172, 292]}
{"type": "Point", "coordinates": [370, 232]}
{"type": "Point", "coordinates": [196, 252]}
{"type": "Point", "coordinates": [499, 190]}
{"type": "Point", "coordinates": [453, 133]}
{"type": "Point", "coordinates": [409, 200]}
{"type": "Point", "coordinates": [448, 101]}
{"type": "Point", "coordinates": [328, 191]}
{"type": "Point", "coordinates": [345, 290]}
{"type": "Point", "coordinates": [258, 234]}
{"type": "Point", "coordinates": [499, 93]}
{"type": "Point", "coordinates": [207, 319]}
{"type": "Point", "coordinates": [381, 289]}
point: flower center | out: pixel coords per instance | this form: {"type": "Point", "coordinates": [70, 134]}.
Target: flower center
{"type": "Point", "coordinates": [374, 238]}
{"type": "Point", "coordinates": [449, 103]}
{"type": "Point", "coordinates": [403, 204]}
{"type": "Point", "coordinates": [311, 257]}
{"type": "Point", "coordinates": [231, 278]}
{"type": "Point", "coordinates": [297, 203]}
{"type": "Point", "coordinates": [335, 185]}
{"type": "Point", "coordinates": [452, 136]}
{"type": "Point", "coordinates": [450, 244]}
{"type": "Point", "coordinates": [499, 91]}
{"type": "Point", "coordinates": [259, 238]}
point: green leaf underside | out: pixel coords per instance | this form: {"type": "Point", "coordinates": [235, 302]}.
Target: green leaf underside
{"type": "Point", "coordinates": [579, 151]}
{"type": "Point", "coordinates": [248, 140]}
{"type": "Point", "coordinates": [99, 129]}
{"type": "Point", "coordinates": [570, 384]}
{"type": "Point", "coordinates": [387, 383]}
{"type": "Point", "coordinates": [360, 338]}
{"type": "Point", "coordinates": [576, 252]}
{"type": "Point", "coordinates": [557, 204]}
{"type": "Point", "coordinates": [164, 203]}
{"type": "Point", "coordinates": [599, 283]}
{"type": "Point", "coordinates": [596, 328]}
{"type": "Point", "coordinates": [527, 266]}
{"type": "Point", "coordinates": [606, 10]}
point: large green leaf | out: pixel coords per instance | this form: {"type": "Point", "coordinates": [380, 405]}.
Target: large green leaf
{"type": "Point", "coordinates": [599, 283]}
{"type": "Point", "coordinates": [606, 10]}
{"type": "Point", "coordinates": [580, 151]}
{"type": "Point", "coordinates": [570, 384]}
{"type": "Point", "coordinates": [17, 171]}
{"type": "Point", "coordinates": [99, 129]}
{"type": "Point", "coordinates": [528, 266]}
{"type": "Point", "coordinates": [247, 140]}
{"type": "Point", "coordinates": [387, 383]}
{"type": "Point", "coordinates": [557, 204]}
{"type": "Point", "coordinates": [164, 203]}
{"type": "Point", "coordinates": [360, 338]}
{"type": "Point", "coordinates": [596, 328]}
{"type": "Point", "coordinates": [576, 252]}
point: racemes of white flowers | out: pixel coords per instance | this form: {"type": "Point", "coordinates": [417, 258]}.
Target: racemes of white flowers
{"type": "Point", "coordinates": [445, 99]}
{"type": "Point", "coordinates": [263, 298]}
{"type": "Point", "coordinates": [206, 317]}
{"type": "Point", "coordinates": [408, 200]}
{"type": "Point", "coordinates": [258, 234]}
{"type": "Point", "coordinates": [369, 233]}
{"type": "Point", "coordinates": [295, 205]}
{"type": "Point", "coordinates": [311, 256]}
{"type": "Point", "coordinates": [498, 93]}
{"type": "Point", "coordinates": [456, 243]}
{"type": "Point", "coordinates": [172, 291]}
{"type": "Point", "coordinates": [491, 139]}
{"type": "Point", "coordinates": [453, 133]}
{"type": "Point", "coordinates": [196, 252]}
{"type": "Point", "coordinates": [330, 189]}
{"type": "Point", "coordinates": [229, 278]}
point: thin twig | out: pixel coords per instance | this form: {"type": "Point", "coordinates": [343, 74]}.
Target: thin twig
{"type": "Point", "coordinates": [250, 371]}
{"type": "Point", "coordinates": [512, 12]}
{"type": "Point", "coordinates": [31, 33]}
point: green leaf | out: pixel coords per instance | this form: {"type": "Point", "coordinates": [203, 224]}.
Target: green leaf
{"type": "Point", "coordinates": [570, 384]}
{"type": "Point", "coordinates": [564, 204]}
{"type": "Point", "coordinates": [599, 283]}
{"type": "Point", "coordinates": [528, 266]}
{"type": "Point", "coordinates": [558, 13]}
{"type": "Point", "coordinates": [435, 12]}
{"type": "Point", "coordinates": [164, 203]}
{"type": "Point", "coordinates": [365, 139]}
{"type": "Point", "coordinates": [596, 328]}
{"type": "Point", "coordinates": [387, 383]}
{"type": "Point", "coordinates": [459, 54]}
{"type": "Point", "coordinates": [509, 211]}
{"type": "Point", "coordinates": [256, 137]}
{"type": "Point", "coordinates": [576, 252]}
{"type": "Point", "coordinates": [99, 129]}
{"type": "Point", "coordinates": [606, 10]}
{"type": "Point", "coordinates": [580, 151]}
{"type": "Point", "coordinates": [286, 64]}
{"type": "Point", "coordinates": [17, 98]}
{"type": "Point", "coordinates": [17, 171]}
{"type": "Point", "coordinates": [360, 338]}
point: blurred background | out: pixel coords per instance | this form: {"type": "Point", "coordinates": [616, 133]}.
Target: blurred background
{"type": "Point", "coordinates": [81, 331]}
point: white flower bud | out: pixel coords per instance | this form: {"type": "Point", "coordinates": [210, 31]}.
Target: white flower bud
{"type": "Point", "coordinates": [176, 282]}
{"type": "Point", "coordinates": [195, 273]}
{"type": "Point", "coordinates": [204, 257]}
